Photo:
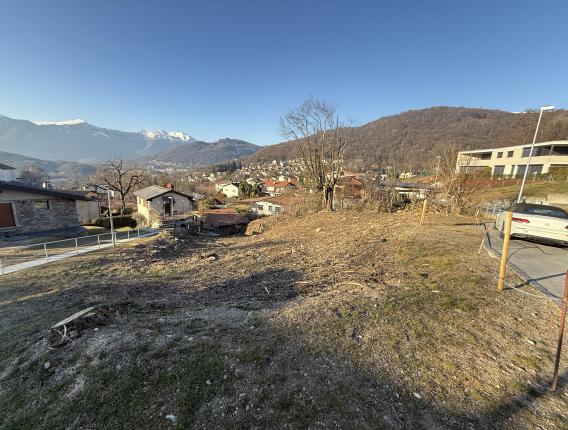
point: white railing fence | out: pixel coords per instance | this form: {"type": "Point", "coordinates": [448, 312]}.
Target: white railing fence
{"type": "Point", "coordinates": [58, 249]}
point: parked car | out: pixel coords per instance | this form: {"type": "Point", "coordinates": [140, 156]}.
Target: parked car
{"type": "Point", "coordinates": [536, 222]}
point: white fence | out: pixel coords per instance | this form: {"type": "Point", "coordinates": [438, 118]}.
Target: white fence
{"type": "Point", "coordinates": [18, 256]}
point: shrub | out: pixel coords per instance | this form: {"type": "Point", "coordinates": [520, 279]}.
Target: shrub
{"type": "Point", "coordinates": [118, 221]}
{"type": "Point", "coordinates": [140, 219]}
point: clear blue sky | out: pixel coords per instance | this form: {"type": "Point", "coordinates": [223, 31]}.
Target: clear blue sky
{"type": "Point", "coordinates": [232, 68]}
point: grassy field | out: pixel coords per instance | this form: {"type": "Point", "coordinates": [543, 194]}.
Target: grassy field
{"type": "Point", "coordinates": [347, 320]}
{"type": "Point", "coordinates": [505, 191]}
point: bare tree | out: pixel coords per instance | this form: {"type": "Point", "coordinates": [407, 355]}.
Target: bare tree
{"type": "Point", "coordinates": [527, 124]}
{"type": "Point", "coordinates": [458, 185]}
{"type": "Point", "coordinates": [321, 138]}
{"type": "Point", "coordinates": [119, 176]}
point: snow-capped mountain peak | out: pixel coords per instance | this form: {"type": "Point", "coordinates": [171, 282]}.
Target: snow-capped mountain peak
{"type": "Point", "coordinates": [162, 134]}
{"type": "Point", "coordinates": [64, 122]}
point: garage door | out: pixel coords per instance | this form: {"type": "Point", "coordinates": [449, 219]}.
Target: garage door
{"type": "Point", "coordinates": [6, 215]}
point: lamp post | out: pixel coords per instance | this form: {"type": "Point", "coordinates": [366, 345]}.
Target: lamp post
{"type": "Point", "coordinates": [110, 217]}
{"type": "Point", "coordinates": [542, 109]}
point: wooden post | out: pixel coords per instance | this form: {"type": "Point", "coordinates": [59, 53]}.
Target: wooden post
{"type": "Point", "coordinates": [505, 251]}
{"type": "Point", "coordinates": [424, 209]}
{"type": "Point", "coordinates": [560, 335]}
{"type": "Point", "coordinates": [45, 252]}
{"type": "Point", "coordinates": [76, 246]}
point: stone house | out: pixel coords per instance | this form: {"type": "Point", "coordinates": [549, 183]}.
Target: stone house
{"type": "Point", "coordinates": [27, 209]}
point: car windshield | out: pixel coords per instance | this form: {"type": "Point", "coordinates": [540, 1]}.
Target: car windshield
{"type": "Point", "coordinates": [540, 210]}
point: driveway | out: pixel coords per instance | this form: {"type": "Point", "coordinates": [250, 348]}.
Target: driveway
{"type": "Point", "coordinates": [543, 266]}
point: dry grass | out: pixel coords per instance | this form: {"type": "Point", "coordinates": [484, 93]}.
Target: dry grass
{"type": "Point", "coordinates": [345, 320]}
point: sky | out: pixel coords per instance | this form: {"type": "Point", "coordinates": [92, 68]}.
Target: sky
{"type": "Point", "coordinates": [217, 69]}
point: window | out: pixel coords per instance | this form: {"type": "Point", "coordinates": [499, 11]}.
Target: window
{"type": "Point", "coordinates": [526, 152]}
{"type": "Point", "coordinates": [499, 155]}
{"type": "Point", "coordinates": [271, 208]}
{"type": "Point", "coordinates": [521, 170]}
{"type": "Point", "coordinates": [41, 204]}
{"type": "Point", "coordinates": [498, 170]}
{"type": "Point", "coordinates": [542, 210]}
{"type": "Point", "coordinates": [278, 209]}
{"type": "Point", "coordinates": [259, 207]}
{"type": "Point", "coordinates": [559, 150]}
{"type": "Point", "coordinates": [485, 156]}
{"type": "Point", "coordinates": [535, 169]}
{"type": "Point", "coordinates": [510, 154]}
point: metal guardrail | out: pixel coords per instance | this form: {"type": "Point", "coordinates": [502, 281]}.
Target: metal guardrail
{"type": "Point", "coordinates": [493, 208]}
{"type": "Point", "coordinates": [73, 246]}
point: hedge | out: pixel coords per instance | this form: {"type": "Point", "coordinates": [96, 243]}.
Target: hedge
{"type": "Point", "coordinates": [117, 221]}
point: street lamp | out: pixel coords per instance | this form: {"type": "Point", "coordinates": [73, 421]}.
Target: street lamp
{"type": "Point", "coordinates": [542, 109]}
{"type": "Point", "coordinates": [110, 216]}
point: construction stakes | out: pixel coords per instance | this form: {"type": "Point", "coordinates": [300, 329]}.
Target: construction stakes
{"type": "Point", "coordinates": [560, 335]}
{"type": "Point", "coordinates": [505, 251]}
{"type": "Point", "coordinates": [424, 210]}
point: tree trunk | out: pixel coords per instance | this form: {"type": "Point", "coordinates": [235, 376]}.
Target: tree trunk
{"type": "Point", "coordinates": [328, 198]}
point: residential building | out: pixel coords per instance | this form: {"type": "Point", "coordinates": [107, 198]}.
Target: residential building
{"type": "Point", "coordinates": [512, 161]}
{"type": "Point", "coordinates": [276, 188]}
{"type": "Point", "coordinates": [7, 173]}
{"type": "Point", "coordinates": [155, 202]}
{"type": "Point", "coordinates": [267, 207]}
{"type": "Point", "coordinates": [29, 209]}
{"type": "Point", "coordinates": [230, 190]}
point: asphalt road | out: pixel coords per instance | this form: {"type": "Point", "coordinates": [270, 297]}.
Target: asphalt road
{"type": "Point", "coordinates": [543, 266]}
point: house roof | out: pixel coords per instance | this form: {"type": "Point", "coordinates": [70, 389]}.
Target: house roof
{"type": "Point", "coordinates": [154, 191]}
{"type": "Point", "coordinates": [222, 217]}
{"type": "Point", "coordinates": [350, 179]}
{"type": "Point", "coordinates": [64, 194]}
{"type": "Point", "coordinates": [6, 167]}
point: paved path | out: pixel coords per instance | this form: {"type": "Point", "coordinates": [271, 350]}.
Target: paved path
{"type": "Point", "coordinates": [542, 266]}
{"type": "Point", "coordinates": [82, 250]}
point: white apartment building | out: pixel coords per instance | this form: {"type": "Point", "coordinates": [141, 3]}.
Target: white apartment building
{"type": "Point", "coordinates": [512, 160]}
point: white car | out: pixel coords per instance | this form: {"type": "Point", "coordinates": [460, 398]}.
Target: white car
{"type": "Point", "coordinates": [536, 222]}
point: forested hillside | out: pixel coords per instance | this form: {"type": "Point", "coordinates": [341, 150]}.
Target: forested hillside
{"type": "Point", "coordinates": [412, 139]}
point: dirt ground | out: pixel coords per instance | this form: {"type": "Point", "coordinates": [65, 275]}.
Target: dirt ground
{"type": "Point", "coordinates": [332, 320]}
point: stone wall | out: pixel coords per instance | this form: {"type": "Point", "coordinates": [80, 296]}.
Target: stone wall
{"type": "Point", "coordinates": [61, 213]}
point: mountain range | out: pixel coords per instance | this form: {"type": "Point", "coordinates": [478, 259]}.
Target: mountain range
{"type": "Point", "coordinates": [58, 171]}
{"type": "Point", "coordinates": [199, 153]}
{"type": "Point", "coordinates": [77, 140]}
{"type": "Point", "coordinates": [410, 139]}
